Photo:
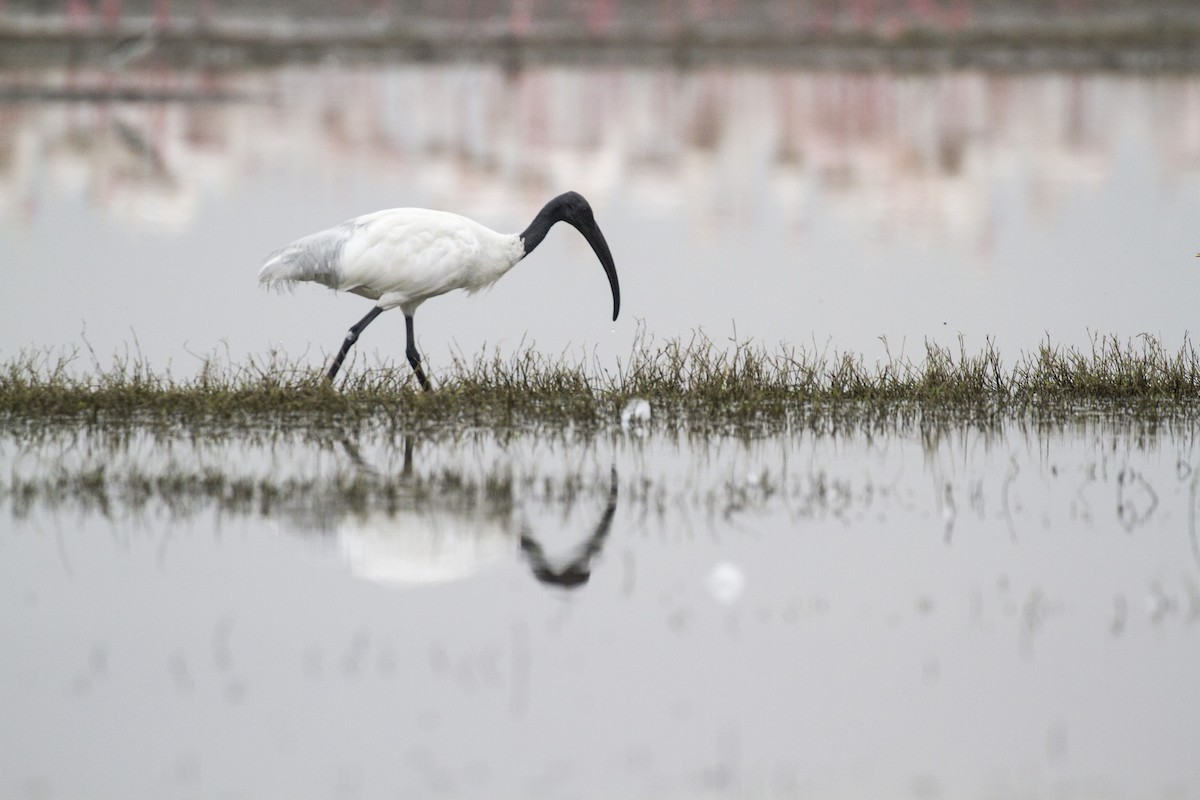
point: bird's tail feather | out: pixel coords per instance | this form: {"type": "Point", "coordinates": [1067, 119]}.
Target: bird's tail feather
{"type": "Point", "coordinates": [314, 258]}
{"type": "Point", "coordinates": [276, 273]}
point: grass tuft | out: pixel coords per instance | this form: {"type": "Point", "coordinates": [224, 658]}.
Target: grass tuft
{"type": "Point", "coordinates": [691, 383]}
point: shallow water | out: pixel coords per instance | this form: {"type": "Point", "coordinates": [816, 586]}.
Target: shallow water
{"type": "Point", "coordinates": [822, 208]}
{"type": "Point", "coordinates": [930, 613]}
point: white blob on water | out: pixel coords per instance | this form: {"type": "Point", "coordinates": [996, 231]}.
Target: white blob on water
{"type": "Point", "coordinates": [726, 582]}
{"type": "Point", "coordinates": [425, 546]}
{"type": "Point", "coordinates": [636, 413]}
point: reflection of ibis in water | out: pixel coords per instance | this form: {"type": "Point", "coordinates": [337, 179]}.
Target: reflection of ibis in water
{"type": "Point", "coordinates": [452, 533]}
{"type": "Point", "coordinates": [403, 256]}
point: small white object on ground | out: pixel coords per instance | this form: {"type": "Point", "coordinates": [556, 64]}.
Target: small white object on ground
{"type": "Point", "coordinates": [637, 412]}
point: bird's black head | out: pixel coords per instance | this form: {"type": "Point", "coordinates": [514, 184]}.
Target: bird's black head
{"type": "Point", "coordinates": [572, 208]}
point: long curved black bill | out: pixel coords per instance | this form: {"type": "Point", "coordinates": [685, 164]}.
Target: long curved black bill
{"type": "Point", "coordinates": [591, 232]}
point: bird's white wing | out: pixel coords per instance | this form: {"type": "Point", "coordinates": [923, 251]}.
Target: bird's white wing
{"type": "Point", "coordinates": [404, 256]}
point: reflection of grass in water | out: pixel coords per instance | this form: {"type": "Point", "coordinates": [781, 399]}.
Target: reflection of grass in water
{"type": "Point", "coordinates": [691, 384]}
{"type": "Point", "coordinates": [309, 501]}
{"type": "Point", "coordinates": [318, 503]}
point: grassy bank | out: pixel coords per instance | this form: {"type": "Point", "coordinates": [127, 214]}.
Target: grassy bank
{"type": "Point", "coordinates": [693, 383]}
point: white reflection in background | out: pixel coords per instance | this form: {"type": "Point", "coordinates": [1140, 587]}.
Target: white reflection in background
{"type": "Point", "coordinates": [810, 207]}
{"type": "Point", "coordinates": [896, 152]}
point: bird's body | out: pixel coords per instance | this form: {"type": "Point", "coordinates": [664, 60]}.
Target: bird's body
{"type": "Point", "coordinates": [402, 257]}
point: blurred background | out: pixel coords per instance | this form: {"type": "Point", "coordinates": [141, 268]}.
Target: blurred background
{"type": "Point", "coordinates": [829, 173]}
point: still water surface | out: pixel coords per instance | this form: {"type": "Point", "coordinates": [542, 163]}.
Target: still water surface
{"type": "Point", "coordinates": [942, 614]}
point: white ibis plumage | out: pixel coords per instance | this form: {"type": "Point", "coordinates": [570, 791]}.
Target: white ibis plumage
{"type": "Point", "coordinates": [401, 257]}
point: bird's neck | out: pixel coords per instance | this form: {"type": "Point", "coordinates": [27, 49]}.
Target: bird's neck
{"type": "Point", "coordinates": [532, 236]}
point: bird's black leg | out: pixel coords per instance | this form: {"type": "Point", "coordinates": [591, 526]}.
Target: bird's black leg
{"type": "Point", "coordinates": [351, 338]}
{"type": "Point", "coordinates": [414, 357]}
